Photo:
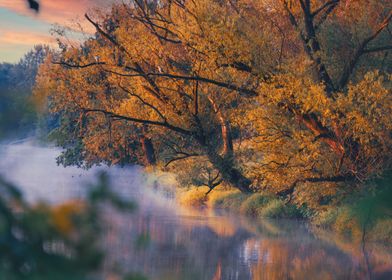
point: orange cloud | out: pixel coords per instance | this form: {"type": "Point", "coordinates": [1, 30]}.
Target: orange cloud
{"type": "Point", "coordinates": [23, 38]}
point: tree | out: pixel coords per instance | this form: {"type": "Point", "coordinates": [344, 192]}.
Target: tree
{"type": "Point", "coordinates": [257, 91]}
{"type": "Point", "coordinates": [18, 116]}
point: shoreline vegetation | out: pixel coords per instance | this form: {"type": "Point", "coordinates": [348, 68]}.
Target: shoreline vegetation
{"type": "Point", "coordinates": [359, 219]}
{"type": "Point", "coordinates": [344, 220]}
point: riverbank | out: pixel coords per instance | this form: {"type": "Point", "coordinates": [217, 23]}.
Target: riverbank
{"type": "Point", "coordinates": [164, 241]}
{"type": "Point", "coordinates": [358, 218]}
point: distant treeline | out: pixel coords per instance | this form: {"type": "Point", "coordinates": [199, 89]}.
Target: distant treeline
{"type": "Point", "coordinates": [18, 116]}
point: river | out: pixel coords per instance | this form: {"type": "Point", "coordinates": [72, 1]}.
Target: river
{"type": "Point", "coordinates": [164, 241]}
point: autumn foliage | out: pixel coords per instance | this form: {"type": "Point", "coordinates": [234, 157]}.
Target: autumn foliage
{"type": "Point", "coordinates": [291, 97]}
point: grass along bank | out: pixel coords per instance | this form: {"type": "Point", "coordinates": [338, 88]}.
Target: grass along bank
{"type": "Point", "coordinates": [256, 204]}
{"type": "Point", "coordinates": [364, 215]}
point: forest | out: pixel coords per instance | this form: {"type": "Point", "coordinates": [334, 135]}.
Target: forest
{"type": "Point", "coordinates": [18, 115]}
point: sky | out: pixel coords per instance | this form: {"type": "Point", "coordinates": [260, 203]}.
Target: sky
{"type": "Point", "coordinates": [22, 28]}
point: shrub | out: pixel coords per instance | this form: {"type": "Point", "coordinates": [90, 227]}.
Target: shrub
{"type": "Point", "coordinates": [193, 197]}
{"type": "Point", "coordinates": [252, 203]}
{"type": "Point", "coordinates": [276, 208]}
{"type": "Point", "coordinates": [217, 196]}
{"type": "Point", "coordinates": [230, 201]}
{"type": "Point", "coordinates": [325, 218]}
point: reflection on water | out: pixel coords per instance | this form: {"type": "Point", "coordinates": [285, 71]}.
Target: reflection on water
{"type": "Point", "coordinates": [205, 246]}
{"type": "Point", "coordinates": [164, 242]}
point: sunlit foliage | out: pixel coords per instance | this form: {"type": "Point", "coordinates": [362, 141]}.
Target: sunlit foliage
{"type": "Point", "coordinates": [292, 97]}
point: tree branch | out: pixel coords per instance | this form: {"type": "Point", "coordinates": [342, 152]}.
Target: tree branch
{"type": "Point", "coordinates": [378, 49]}
{"type": "Point", "coordinates": [350, 66]}
{"type": "Point", "coordinates": [181, 158]}
{"type": "Point", "coordinates": [105, 35]}
{"type": "Point", "coordinates": [145, 103]}
{"type": "Point", "coordinates": [77, 65]}
{"type": "Point", "coordinates": [328, 5]}
{"type": "Point", "coordinates": [325, 16]}
{"type": "Point", "coordinates": [137, 67]}
{"type": "Point", "coordinates": [331, 179]}
{"type": "Point", "coordinates": [311, 44]}
{"type": "Point", "coordinates": [136, 120]}
{"type": "Point", "coordinates": [248, 92]}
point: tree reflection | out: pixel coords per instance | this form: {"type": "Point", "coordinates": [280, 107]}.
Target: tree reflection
{"type": "Point", "coordinates": [190, 247]}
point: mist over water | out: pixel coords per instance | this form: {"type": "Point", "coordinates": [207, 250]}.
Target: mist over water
{"type": "Point", "coordinates": [164, 241]}
{"type": "Point", "coordinates": [33, 168]}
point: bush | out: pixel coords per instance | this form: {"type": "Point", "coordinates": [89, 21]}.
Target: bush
{"type": "Point", "coordinates": [366, 211]}
{"type": "Point", "coordinates": [276, 208]}
{"type": "Point", "coordinates": [325, 218]}
{"type": "Point", "coordinates": [230, 201]}
{"type": "Point", "coordinates": [193, 197]}
{"type": "Point", "coordinates": [217, 196]}
{"type": "Point", "coordinates": [252, 203]}
{"type": "Point", "coordinates": [346, 221]}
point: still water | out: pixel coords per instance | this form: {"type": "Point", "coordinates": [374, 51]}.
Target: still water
{"type": "Point", "coordinates": [163, 241]}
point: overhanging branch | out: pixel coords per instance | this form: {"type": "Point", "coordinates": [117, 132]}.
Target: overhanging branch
{"type": "Point", "coordinates": [328, 179]}
{"type": "Point", "coordinates": [164, 124]}
{"type": "Point", "coordinates": [63, 63]}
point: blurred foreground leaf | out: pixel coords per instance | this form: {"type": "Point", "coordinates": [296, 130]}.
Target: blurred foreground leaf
{"type": "Point", "coordinates": [53, 242]}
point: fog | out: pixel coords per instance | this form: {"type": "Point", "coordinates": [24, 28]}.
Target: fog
{"type": "Point", "coordinates": [33, 168]}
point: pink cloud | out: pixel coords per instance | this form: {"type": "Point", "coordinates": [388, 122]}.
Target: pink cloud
{"type": "Point", "coordinates": [17, 38]}
{"type": "Point", "coordinates": [62, 12]}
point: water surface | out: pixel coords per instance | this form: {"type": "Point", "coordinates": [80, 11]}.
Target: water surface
{"type": "Point", "coordinates": [164, 241]}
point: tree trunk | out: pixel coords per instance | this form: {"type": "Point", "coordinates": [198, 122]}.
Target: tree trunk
{"type": "Point", "coordinates": [226, 137]}
{"type": "Point", "coordinates": [223, 160]}
{"type": "Point", "coordinates": [148, 150]}
{"type": "Point", "coordinates": [227, 140]}
{"type": "Point", "coordinates": [230, 174]}
{"type": "Point", "coordinates": [328, 136]}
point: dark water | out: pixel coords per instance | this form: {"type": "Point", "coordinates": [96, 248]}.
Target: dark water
{"type": "Point", "coordinates": [163, 241]}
